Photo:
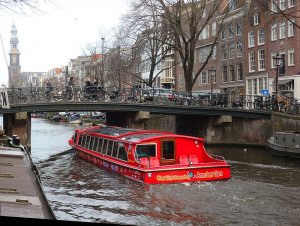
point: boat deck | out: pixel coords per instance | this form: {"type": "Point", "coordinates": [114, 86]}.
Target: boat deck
{"type": "Point", "coordinates": [20, 192]}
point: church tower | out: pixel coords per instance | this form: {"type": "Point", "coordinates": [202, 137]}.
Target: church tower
{"type": "Point", "coordinates": [14, 68]}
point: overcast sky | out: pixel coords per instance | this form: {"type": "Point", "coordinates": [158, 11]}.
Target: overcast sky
{"type": "Point", "coordinates": [50, 39]}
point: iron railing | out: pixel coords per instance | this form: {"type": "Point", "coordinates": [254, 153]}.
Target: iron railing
{"type": "Point", "coordinates": [32, 95]}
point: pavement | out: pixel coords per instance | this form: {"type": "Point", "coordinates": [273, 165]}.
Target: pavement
{"type": "Point", "coordinates": [21, 194]}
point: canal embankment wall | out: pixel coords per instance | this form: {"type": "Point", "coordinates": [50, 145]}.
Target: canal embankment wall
{"type": "Point", "coordinates": [226, 130]}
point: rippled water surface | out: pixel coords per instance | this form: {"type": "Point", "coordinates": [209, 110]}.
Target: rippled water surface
{"type": "Point", "coordinates": [264, 189]}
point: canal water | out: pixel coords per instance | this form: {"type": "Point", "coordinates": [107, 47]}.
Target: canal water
{"type": "Point", "coordinates": [263, 190]}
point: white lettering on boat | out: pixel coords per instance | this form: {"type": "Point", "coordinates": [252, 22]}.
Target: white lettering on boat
{"type": "Point", "coordinates": [189, 176]}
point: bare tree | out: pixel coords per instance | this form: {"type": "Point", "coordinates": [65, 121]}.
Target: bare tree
{"type": "Point", "coordinates": [22, 6]}
{"type": "Point", "coordinates": [120, 59]}
{"type": "Point", "coordinates": [185, 21]}
{"type": "Point", "coordinates": [145, 25]}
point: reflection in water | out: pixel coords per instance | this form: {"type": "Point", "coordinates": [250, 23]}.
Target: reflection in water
{"type": "Point", "coordinates": [264, 189]}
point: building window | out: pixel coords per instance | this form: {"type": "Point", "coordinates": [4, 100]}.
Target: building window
{"type": "Point", "coordinates": [255, 19]}
{"type": "Point", "coordinates": [214, 53]}
{"type": "Point", "coordinates": [239, 69]}
{"type": "Point", "coordinates": [291, 3]}
{"type": "Point", "coordinates": [251, 61]}
{"type": "Point", "coordinates": [232, 5]}
{"type": "Point", "coordinates": [231, 50]}
{"type": "Point", "coordinates": [260, 84]}
{"type": "Point", "coordinates": [204, 54]}
{"type": "Point", "coordinates": [249, 86]}
{"type": "Point", "coordinates": [224, 52]}
{"type": "Point", "coordinates": [261, 36]}
{"type": "Point", "coordinates": [255, 87]}
{"type": "Point", "coordinates": [272, 60]}
{"type": "Point", "coordinates": [239, 28]}
{"type": "Point", "coordinates": [214, 29]}
{"type": "Point", "coordinates": [291, 28]}
{"type": "Point", "coordinates": [282, 4]}
{"type": "Point", "coordinates": [291, 56]}
{"type": "Point", "coordinates": [168, 69]}
{"type": "Point", "coordinates": [274, 32]}
{"type": "Point", "coordinates": [224, 74]}
{"type": "Point", "coordinates": [205, 33]}
{"type": "Point", "coordinates": [230, 31]}
{"type": "Point", "coordinates": [239, 48]}
{"type": "Point", "coordinates": [204, 79]}
{"type": "Point", "coordinates": [231, 68]}
{"type": "Point", "coordinates": [261, 59]}
{"type": "Point", "coordinates": [251, 39]}
{"type": "Point", "coordinates": [282, 30]}
{"type": "Point", "coordinates": [223, 34]}
{"type": "Point", "coordinates": [274, 7]}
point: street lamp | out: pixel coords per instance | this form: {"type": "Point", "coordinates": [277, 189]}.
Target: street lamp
{"type": "Point", "coordinates": [102, 66]}
{"type": "Point", "coordinates": [277, 61]}
{"type": "Point", "coordinates": [212, 74]}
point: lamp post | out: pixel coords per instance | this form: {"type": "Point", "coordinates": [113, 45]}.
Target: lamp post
{"type": "Point", "coordinates": [212, 74]}
{"type": "Point", "coordinates": [102, 66]}
{"type": "Point", "coordinates": [277, 61]}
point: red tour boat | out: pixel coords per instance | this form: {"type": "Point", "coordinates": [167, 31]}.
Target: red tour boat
{"type": "Point", "coordinates": [149, 156]}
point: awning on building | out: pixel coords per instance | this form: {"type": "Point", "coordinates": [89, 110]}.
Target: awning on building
{"type": "Point", "coordinates": [286, 81]}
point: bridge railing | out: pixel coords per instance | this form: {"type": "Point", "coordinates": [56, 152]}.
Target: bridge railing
{"type": "Point", "coordinates": [32, 95]}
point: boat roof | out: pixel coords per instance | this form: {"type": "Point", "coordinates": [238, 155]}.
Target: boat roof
{"type": "Point", "coordinates": [128, 134]}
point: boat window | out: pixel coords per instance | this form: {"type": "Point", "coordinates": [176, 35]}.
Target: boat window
{"type": "Point", "coordinates": [95, 144]}
{"type": "Point", "coordinates": [115, 150]}
{"type": "Point", "coordinates": [109, 147]}
{"type": "Point", "coordinates": [100, 149]}
{"type": "Point", "coordinates": [87, 142]}
{"type": "Point", "coordinates": [146, 150]}
{"type": "Point", "coordinates": [104, 146]}
{"type": "Point", "coordinates": [91, 143]}
{"type": "Point", "coordinates": [80, 140]}
{"type": "Point", "coordinates": [75, 137]}
{"type": "Point", "coordinates": [83, 140]}
{"type": "Point", "coordinates": [122, 152]}
{"type": "Point", "coordinates": [168, 150]}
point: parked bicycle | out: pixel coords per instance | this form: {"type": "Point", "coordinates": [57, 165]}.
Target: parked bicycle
{"type": "Point", "coordinates": [18, 96]}
{"type": "Point", "coordinates": [89, 93]}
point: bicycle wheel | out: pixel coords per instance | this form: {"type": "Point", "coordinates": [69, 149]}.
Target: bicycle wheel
{"type": "Point", "coordinates": [47, 97]}
{"type": "Point", "coordinates": [83, 96]}
{"type": "Point", "coordinates": [161, 99]}
{"type": "Point", "coordinates": [296, 109]}
{"type": "Point", "coordinates": [185, 102]}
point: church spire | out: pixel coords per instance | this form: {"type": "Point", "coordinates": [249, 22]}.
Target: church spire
{"type": "Point", "coordinates": [14, 68]}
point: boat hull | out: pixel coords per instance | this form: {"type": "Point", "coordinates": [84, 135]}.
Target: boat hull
{"type": "Point", "coordinates": [166, 175]}
{"type": "Point", "coordinates": [282, 150]}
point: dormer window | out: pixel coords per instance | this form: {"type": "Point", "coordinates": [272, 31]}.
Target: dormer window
{"type": "Point", "coordinates": [255, 19]}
